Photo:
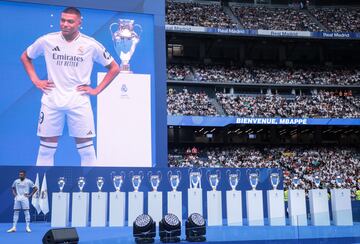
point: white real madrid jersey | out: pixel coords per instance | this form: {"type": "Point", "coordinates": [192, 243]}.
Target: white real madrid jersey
{"type": "Point", "coordinates": [68, 64]}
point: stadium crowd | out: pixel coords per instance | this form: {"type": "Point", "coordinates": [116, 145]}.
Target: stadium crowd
{"type": "Point", "coordinates": [324, 104]}
{"type": "Point", "coordinates": [189, 103]}
{"type": "Point", "coordinates": [338, 19]}
{"type": "Point", "coordinates": [267, 75]}
{"type": "Point", "coordinates": [196, 14]}
{"type": "Point", "coordinates": [327, 162]}
{"type": "Point", "coordinates": [291, 18]}
{"type": "Point", "coordinates": [265, 18]}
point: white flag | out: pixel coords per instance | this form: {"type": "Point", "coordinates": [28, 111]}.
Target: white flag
{"type": "Point", "coordinates": [44, 200]}
{"type": "Point", "coordinates": [35, 197]}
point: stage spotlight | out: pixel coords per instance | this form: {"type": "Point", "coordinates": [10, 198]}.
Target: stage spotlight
{"type": "Point", "coordinates": [144, 229]}
{"type": "Point", "coordinates": [170, 228]}
{"type": "Point", "coordinates": [195, 228]}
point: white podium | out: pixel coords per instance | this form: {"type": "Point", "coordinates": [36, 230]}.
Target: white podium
{"type": "Point", "coordinates": [319, 207]}
{"type": "Point", "coordinates": [99, 209]}
{"type": "Point", "coordinates": [174, 199]}
{"type": "Point", "coordinates": [297, 208]}
{"type": "Point", "coordinates": [117, 209]}
{"type": "Point", "coordinates": [155, 205]}
{"type": "Point", "coordinates": [341, 206]}
{"type": "Point", "coordinates": [130, 95]}
{"type": "Point", "coordinates": [195, 203]}
{"type": "Point", "coordinates": [254, 207]}
{"type": "Point", "coordinates": [136, 206]}
{"type": "Point", "coordinates": [214, 208]}
{"type": "Point", "coordinates": [80, 209]}
{"type": "Point", "coordinates": [276, 207]}
{"type": "Point", "coordinates": [234, 208]}
{"type": "Point", "coordinates": [60, 209]}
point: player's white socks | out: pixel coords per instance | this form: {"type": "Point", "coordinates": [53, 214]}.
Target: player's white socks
{"type": "Point", "coordinates": [27, 217]}
{"type": "Point", "coordinates": [15, 218]}
{"type": "Point", "coordinates": [46, 153]}
{"type": "Point", "coordinates": [87, 153]}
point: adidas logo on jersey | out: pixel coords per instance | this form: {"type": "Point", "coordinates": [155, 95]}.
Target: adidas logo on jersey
{"type": "Point", "coordinates": [56, 48]}
{"type": "Point", "coordinates": [89, 133]}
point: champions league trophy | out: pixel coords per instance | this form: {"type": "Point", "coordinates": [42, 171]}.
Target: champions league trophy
{"type": "Point", "coordinates": [295, 181]}
{"type": "Point", "coordinates": [274, 180]}
{"type": "Point", "coordinates": [317, 181]}
{"type": "Point", "coordinates": [81, 183]}
{"type": "Point", "coordinates": [136, 180]}
{"type": "Point", "coordinates": [154, 180]}
{"type": "Point", "coordinates": [61, 183]}
{"type": "Point", "coordinates": [339, 181]}
{"type": "Point", "coordinates": [118, 180]}
{"type": "Point", "coordinates": [174, 179]}
{"type": "Point", "coordinates": [233, 179]}
{"type": "Point", "coordinates": [214, 179]}
{"type": "Point", "coordinates": [253, 179]}
{"type": "Point", "coordinates": [195, 179]}
{"type": "Point", "coordinates": [125, 40]}
{"type": "Point", "coordinates": [100, 183]}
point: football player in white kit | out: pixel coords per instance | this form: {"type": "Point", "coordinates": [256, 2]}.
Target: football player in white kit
{"type": "Point", "coordinates": [69, 57]}
{"type": "Point", "coordinates": [21, 191]}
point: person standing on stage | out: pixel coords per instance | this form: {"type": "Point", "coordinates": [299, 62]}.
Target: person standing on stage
{"type": "Point", "coordinates": [21, 191]}
{"type": "Point", "coordinates": [69, 57]}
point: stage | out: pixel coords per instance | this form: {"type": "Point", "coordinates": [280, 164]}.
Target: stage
{"type": "Point", "coordinates": [253, 234]}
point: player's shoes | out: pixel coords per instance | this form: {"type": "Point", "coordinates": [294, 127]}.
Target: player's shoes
{"type": "Point", "coordinates": [13, 229]}
{"type": "Point", "coordinates": [28, 230]}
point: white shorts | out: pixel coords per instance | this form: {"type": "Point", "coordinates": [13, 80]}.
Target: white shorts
{"type": "Point", "coordinates": [21, 202]}
{"type": "Point", "coordinates": [80, 121]}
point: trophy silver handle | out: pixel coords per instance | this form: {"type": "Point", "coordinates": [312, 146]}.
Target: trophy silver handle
{"type": "Point", "coordinates": [248, 172]}
{"type": "Point", "coordinates": [238, 172]}
{"type": "Point", "coordinates": [141, 174]}
{"type": "Point", "coordinates": [169, 174]}
{"type": "Point", "coordinates": [149, 174]}
{"type": "Point", "coordinates": [160, 175]}
{"type": "Point", "coordinates": [228, 172]}
{"type": "Point", "coordinates": [190, 171]}
{"type": "Point", "coordinates": [218, 174]}
{"type": "Point", "coordinates": [179, 174]}
{"type": "Point", "coordinates": [131, 174]}
{"type": "Point", "coordinates": [111, 31]}
{"type": "Point", "coordinates": [140, 30]}
{"type": "Point", "coordinates": [122, 173]}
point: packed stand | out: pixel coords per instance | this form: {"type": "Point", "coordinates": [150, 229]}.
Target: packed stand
{"type": "Point", "coordinates": [189, 103]}
{"type": "Point", "coordinates": [266, 75]}
{"type": "Point", "coordinates": [338, 19]}
{"type": "Point", "coordinates": [265, 18]}
{"type": "Point", "coordinates": [196, 14]}
{"type": "Point", "coordinates": [179, 72]}
{"type": "Point", "coordinates": [327, 162]}
{"type": "Point", "coordinates": [324, 104]}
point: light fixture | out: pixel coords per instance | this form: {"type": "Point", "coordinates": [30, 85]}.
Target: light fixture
{"type": "Point", "coordinates": [195, 228]}
{"type": "Point", "coordinates": [144, 229]}
{"type": "Point", "coordinates": [170, 228]}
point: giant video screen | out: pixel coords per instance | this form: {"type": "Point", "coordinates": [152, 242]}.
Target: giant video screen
{"type": "Point", "coordinates": [123, 112]}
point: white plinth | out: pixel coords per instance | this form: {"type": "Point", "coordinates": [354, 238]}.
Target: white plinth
{"type": "Point", "coordinates": [297, 207]}
{"type": "Point", "coordinates": [127, 97]}
{"type": "Point", "coordinates": [214, 208]}
{"type": "Point", "coordinates": [80, 209]}
{"type": "Point", "coordinates": [254, 207]}
{"type": "Point", "coordinates": [155, 205]}
{"type": "Point", "coordinates": [174, 199]}
{"type": "Point", "coordinates": [60, 209]}
{"type": "Point", "coordinates": [341, 207]}
{"type": "Point", "coordinates": [276, 207]}
{"type": "Point", "coordinates": [195, 202]}
{"type": "Point", "coordinates": [117, 209]}
{"type": "Point", "coordinates": [234, 208]}
{"type": "Point", "coordinates": [136, 206]}
{"type": "Point", "coordinates": [99, 209]}
{"type": "Point", "coordinates": [319, 207]}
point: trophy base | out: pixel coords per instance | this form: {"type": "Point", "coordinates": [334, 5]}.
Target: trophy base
{"type": "Point", "coordinates": [125, 69]}
{"type": "Point", "coordinates": [139, 240]}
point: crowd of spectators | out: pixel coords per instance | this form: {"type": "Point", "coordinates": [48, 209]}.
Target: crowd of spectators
{"type": "Point", "coordinates": [196, 14]}
{"type": "Point", "coordinates": [293, 17]}
{"type": "Point", "coordinates": [189, 103]}
{"type": "Point", "coordinates": [267, 75]}
{"type": "Point", "coordinates": [274, 19]}
{"type": "Point", "coordinates": [338, 19]}
{"type": "Point", "coordinates": [324, 104]}
{"type": "Point", "coordinates": [327, 162]}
